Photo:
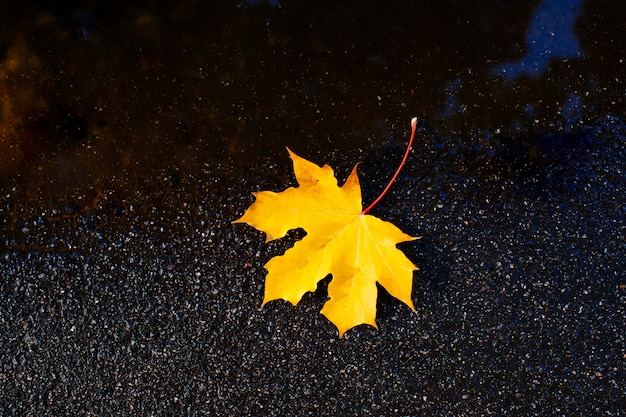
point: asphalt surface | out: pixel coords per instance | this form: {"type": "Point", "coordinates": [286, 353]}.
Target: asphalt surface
{"type": "Point", "coordinates": [126, 290]}
{"type": "Point", "coordinates": [153, 309]}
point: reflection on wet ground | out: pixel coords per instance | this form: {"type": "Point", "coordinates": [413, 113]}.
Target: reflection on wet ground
{"type": "Point", "coordinates": [550, 36]}
{"type": "Point", "coordinates": [92, 94]}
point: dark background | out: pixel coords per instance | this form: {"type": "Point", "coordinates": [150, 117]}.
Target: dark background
{"type": "Point", "coordinates": [132, 134]}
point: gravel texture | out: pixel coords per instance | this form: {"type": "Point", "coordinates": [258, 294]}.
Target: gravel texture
{"type": "Point", "coordinates": [153, 308]}
{"type": "Point", "coordinates": [132, 136]}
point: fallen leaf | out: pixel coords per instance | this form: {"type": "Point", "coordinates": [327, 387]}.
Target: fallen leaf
{"type": "Point", "coordinates": [358, 249]}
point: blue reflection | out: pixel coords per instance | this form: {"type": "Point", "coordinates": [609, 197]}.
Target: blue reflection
{"type": "Point", "coordinates": [550, 36]}
{"type": "Point", "coordinates": [452, 105]}
{"type": "Point", "coordinates": [572, 108]}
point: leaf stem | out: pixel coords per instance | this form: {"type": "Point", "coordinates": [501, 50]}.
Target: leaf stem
{"type": "Point", "coordinates": [406, 155]}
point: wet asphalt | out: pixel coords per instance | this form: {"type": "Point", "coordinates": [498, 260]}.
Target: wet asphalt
{"type": "Point", "coordinates": [127, 290]}
{"type": "Point", "coordinates": [154, 309]}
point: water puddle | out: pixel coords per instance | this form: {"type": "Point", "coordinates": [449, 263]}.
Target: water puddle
{"type": "Point", "coordinates": [102, 97]}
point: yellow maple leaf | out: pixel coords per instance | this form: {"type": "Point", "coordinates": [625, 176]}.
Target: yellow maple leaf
{"type": "Point", "coordinates": [358, 249]}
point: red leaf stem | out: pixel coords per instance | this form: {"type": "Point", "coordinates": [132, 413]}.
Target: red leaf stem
{"type": "Point", "coordinates": [406, 155]}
